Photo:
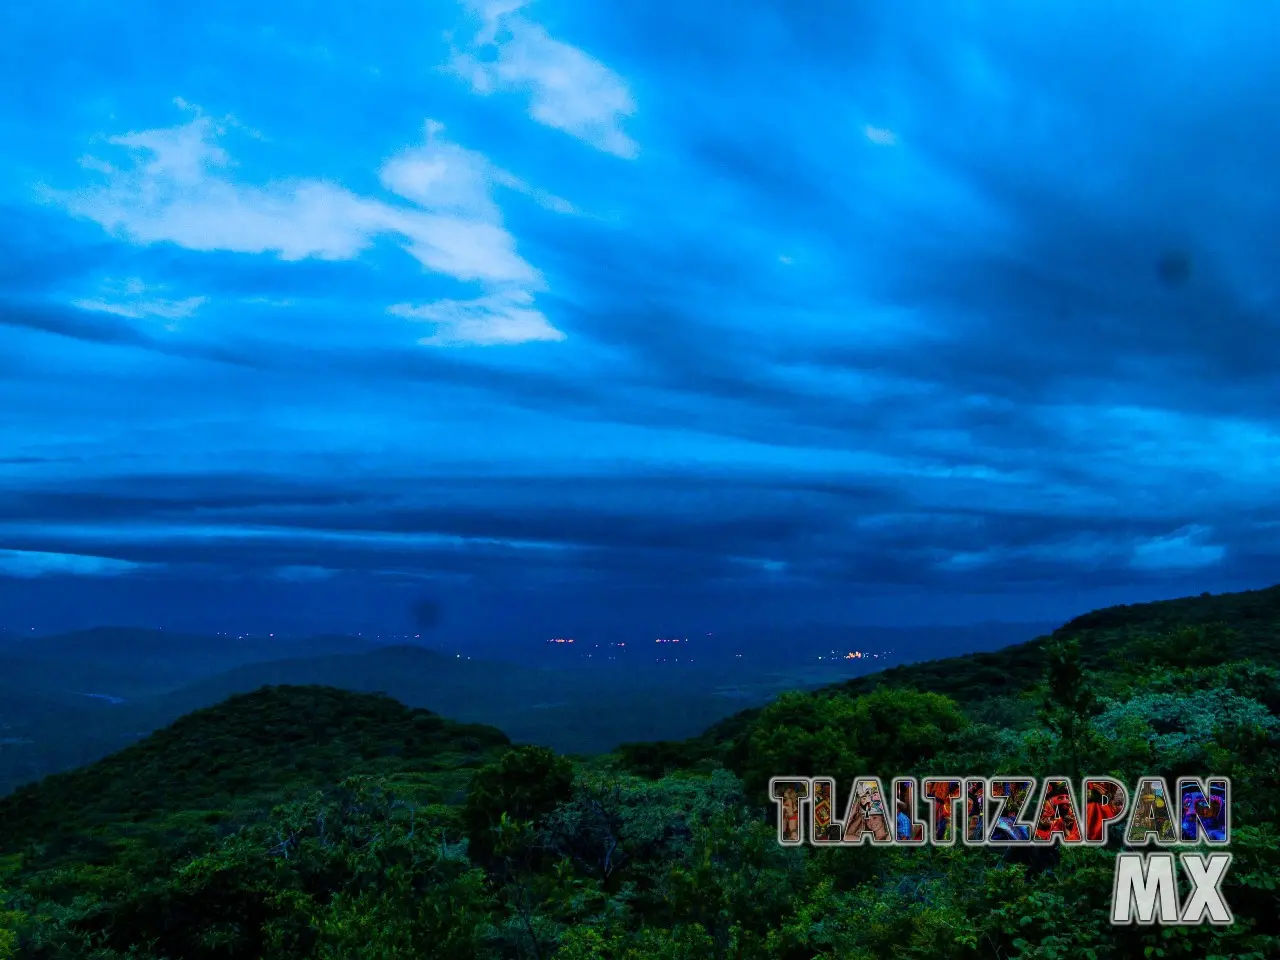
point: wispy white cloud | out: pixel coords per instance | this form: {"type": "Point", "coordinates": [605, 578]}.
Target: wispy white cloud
{"type": "Point", "coordinates": [178, 188]}
{"type": "Point", "coordinates": [33, 563]}
{"type": "Point", "coordinates": [880, 136]}
{"type": "Point", "coordinates": [567, 89]}
{"type": "Point", "coordinates": [1185, 549]}
{"type": "Point", "coordinates": [538, 195]}
{"type": "Point", "coordinates": [503, 318]}
{"type": "Point", "coordinates": [135, 300]}
{"type": "Point", "coordinates": [443, 177]}
{"type": "Point", "coordinates": [447, 178]}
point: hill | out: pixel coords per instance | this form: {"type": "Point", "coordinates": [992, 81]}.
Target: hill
{"type": "Point", "coordinates": [301, 822]}
{"type": "Point", "coordinates": [770, 643]}
{"type": "Point", "coordinates": [571, 710]}
{"type": "Point", "coordinates": [42, 731]}
{"type": "Point", "coordinates": [1208, 629]}
{"type": "Point", "coordinates": [73, 698]}
{"type": "Point", "coordinates": [1108, 638]}
{"type": "Point", "coordinates": [236, 760]}
{"type": "Point", "coordinates": [411, 674]}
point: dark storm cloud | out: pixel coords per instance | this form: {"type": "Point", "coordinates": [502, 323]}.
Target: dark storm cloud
{"type": "Point", "coordinates": [520, 531]}
{"type": "Point", "coordinates": [885, 299]}
{"type": "Point", "coordinates": [78, 325]}
{"type": "Point", "coordinates": [39, 250]}
{"type": "Point", "coordinates": [1078, 306]}
{"type": "Point", "coordinates": [97, 328]}
{"type": "Point", "coordinates": [1068, 304]}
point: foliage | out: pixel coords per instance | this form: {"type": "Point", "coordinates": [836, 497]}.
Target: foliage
{"type": "Point", "coordinates": [10, 920]}
{"type": "Point", "coordinates": [885, 732]}
{"type": "Point", "coordinates": [522, 786]}
{"type": "Point", "coordinates": [307, 822]}
{"type": "Point", "coordinates": [1068, 706]}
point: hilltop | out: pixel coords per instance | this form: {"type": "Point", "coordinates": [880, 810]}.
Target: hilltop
{"type": "Point", "coordinates": [70, 699]}
{"type": "Point", "coordinates": [239, 759]}
{"type": "Point", "coordinates": [1209, 628]}
{"type": "Point", "coordinates": [64, 716]}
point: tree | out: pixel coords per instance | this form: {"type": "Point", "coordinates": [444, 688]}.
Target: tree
{"type": "Point", "coordinates": [1068, 704]}
{"type": "Point", "coordinates": [883, 733]}
{"type": "Point", "coordinates": [523, 786]}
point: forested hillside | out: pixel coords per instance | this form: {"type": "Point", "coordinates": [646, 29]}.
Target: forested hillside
{"type": "Point", "coordinates": [307, 822]}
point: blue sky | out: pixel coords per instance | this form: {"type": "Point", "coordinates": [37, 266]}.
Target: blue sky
{"type": "Point", "coordinates": [604, 316]}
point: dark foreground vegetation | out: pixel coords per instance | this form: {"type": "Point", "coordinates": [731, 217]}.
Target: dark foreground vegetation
{"type": "Point", "coordinates": [308, 822]}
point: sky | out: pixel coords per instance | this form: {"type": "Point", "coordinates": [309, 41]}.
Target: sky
{"type": "Point", "coordinates": [570, 316]}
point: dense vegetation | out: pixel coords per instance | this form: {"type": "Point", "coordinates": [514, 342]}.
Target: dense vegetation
{"type": "Point", "coordinates": [307, 822]}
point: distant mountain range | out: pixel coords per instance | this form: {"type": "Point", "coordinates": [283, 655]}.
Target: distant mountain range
{"type": "Point", "coordinates": [155, 659]}
{"type": "Point", "coordinates": [769, 643]}
{"type": "Point", "coordinates": [69, 699]}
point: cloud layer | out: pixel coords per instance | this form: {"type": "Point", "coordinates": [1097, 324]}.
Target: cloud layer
{"type": "Point", "coordinates": [900, 313]}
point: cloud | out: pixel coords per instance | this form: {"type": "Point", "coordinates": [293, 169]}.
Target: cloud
{"type": "Point", "coordinates": [130, 299]}
{"type": "Point", "coordinates": [178, 188]}
{"type": "Point", "coordinates": [447, 178]}
{"type": "Point", "coordinates": [978, 373]}
{"type": "Point", "coordinates": [880, 136]}
{"type": "Point", "coordinates": [35, 563]}
{"type": "Point", "coordinates": [651, 528]}
{"type": "Point", "coordinates": [304, 574]}
{"type": "Point", "coordinates": [538, 195]}
{"type": "Point", "coordinates": [443, 177]}
{"type": "Point", "coordinates": [568, 89]}
{"type": "Point", "coordinates": [1184, 549]}
{"type": "Point", "coordinates": [138, 309]}
{"type": "Point", "coordinates": [505, 318]}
